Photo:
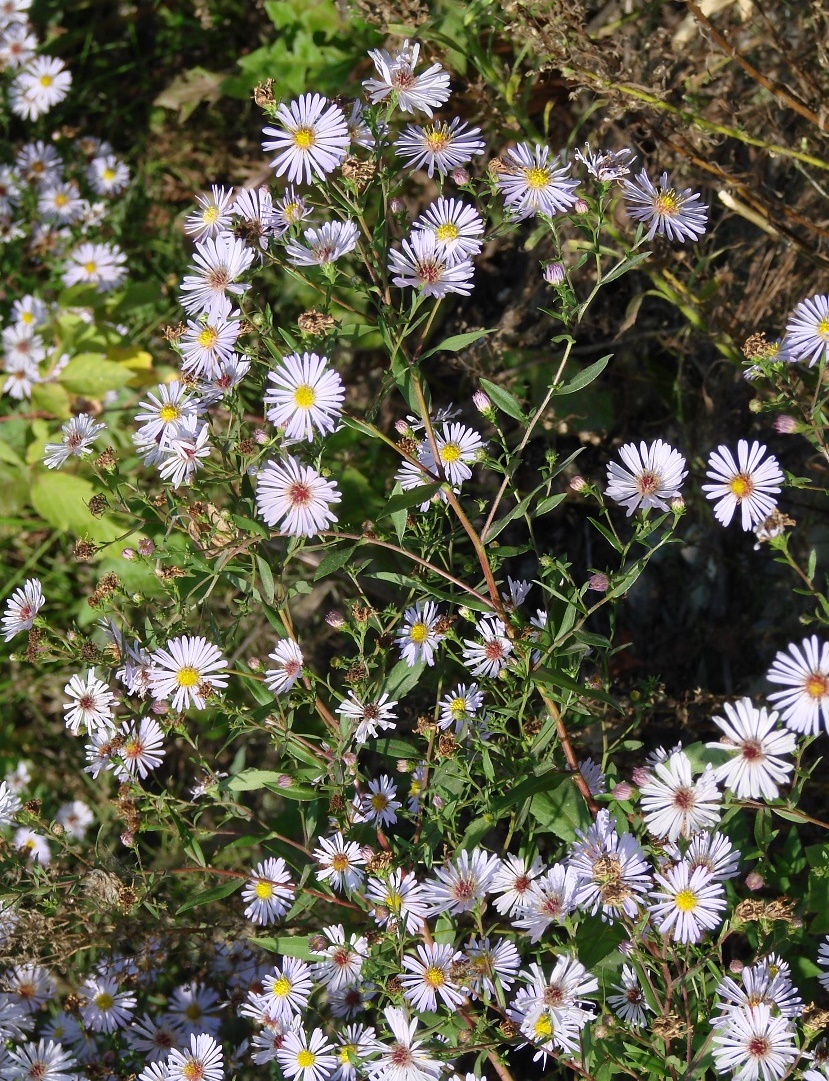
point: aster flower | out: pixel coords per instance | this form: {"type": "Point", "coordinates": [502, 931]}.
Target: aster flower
{"type": "Point", "coordinates": [289, 661]}
{"type": "Point", "coordinates": [153, 1038]}
{"type": "Point", "coordinates": [768, 983]}
{"type": "Point", "coordinates": [756, 744]}
{"type": "Point", "coordinates": [269, 893]}
{"type": "Point", "coordinates": [101, 265]}
{"type": "Point", "coordinates": [219, 262]}
{"type": "Point", "coordinates": [679, 215]}
{"type": "Point", "coordinates": [306, 397]}
{"type": "Point", "coordinates": [654, 473]}
{"type": "Point", "coordinates": [194, 1008]}
{"type": "Point", "coordinates": [330, 242]}
{"type": "Point", "coordinates": [378, 806]}
{"type": "Point", "coordinates": [21, 608]}
{"type": "Point", "coordinates": [9, 804]}
{"type": "Point", "coordinates": [460, 704]}
{"type": "Point", "coordinates": [490, 965]}
{"type": "Point", "coordinates": [75, 817]}
{"type": "Point", "coordinates": [630, 1004]}
{"type": "Point", "coordinates": [39, 162]}
{"type": "Point", "coordinates": [306, 1057]}
{"type": "Point", "coordinates": [462, 883]}
{"type": "Point", "coordinates": [491, 654]}
{"type": "Point", "coordinates": [674, 805]}
{"type": "Point", "coordinates": [213, 215]}
{"type": "Point", "coordinates": [613, 874]}
{"type": "Point", "coordinates": [689, 903]}
{"type": "Point", "coordinates": [458, 227]}
{"type": "Point", "coordinates": [91, 703]}
{"type": "Point", "coordinates": [713, 851]}
{"type": "Point", "coordinates": [358, 128]}
{"type": "Point", "coordinates": [439, 145]}
{"type": "Point", "coordinates": [370, 715]}
{"type": "Point", "coordinates": [253, 211]}
{"type": "Point", "coordinates": [209, 342]}
{"type": "Point", "coordinates": [803, 672]}
{"type": "Point", "coordinates": [807, 332]}
{"type": "Point", "coordinates": [142, 749]}
{"type": "Point", "coordinates": [403, 1059]}
{"type": "Point", "coordinates": [457, 446]}
{"type": "Point", "coordinates": [22, 375]}
{"type": "Point", "coordinates": [42, 83]}
{"type": "Point", "coordinates": [749, 484]}
{"type": "Point", "coordinates": [340, 862]}
{"type": "Point", "coordinates": [425, 265]}
{"type": "Point", "coordinates": [287, 989]}
{"type": "Point", "coordinates": [189, 442]}
{"type": "Point", "coordinates": [342, 960]}
{"type": "Point", "coordinates": [107, 1008]}
{"type": "Point", "coordinates": [419, 636]}
{"type": "Point", "coordinates": [549, 899]}
{"type": "Point", "coordinates": [296, 497]}
{"type": "Point", "coordinates": [754, 1045]}
{"type": "Point", "coordinates": [29, 310]}
{"type": "Point", "coordinates": [412, 93]}
{"type": "Point", "coordinates": [512, 882]}
{"type": "Point", "coordinates": [203, 1061]}
{"type": "Point", "coordinates": [60, 202]}
{"type": "Point", "coordinates": [79, 433]}
{"type": "Point", "coordinates": [107, 175]}
{"type": "Point", "coordinates": [289, 210]}
{"type": "Point", "coordinates": [162, 412]}
{"type": "Point", "coordinates": [533, 185]}
{"type": "Point", "coordinates": [312, 139]}
{"type": "Point", "coordinates": [606, 165]}
{"type": "Point", "coordinates": [42, 1061]}
{"type": "Point", "coordinates": [428, 976]}
{"type": "Point", "coordinates": [188, 669]}
{"type": "Point", "coordinates": [18, 45]}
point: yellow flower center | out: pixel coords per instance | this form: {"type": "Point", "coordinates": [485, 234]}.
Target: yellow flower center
{"type": "Point", "coordinates": [305, 1059]}
{"type": "Point", "coordinates": [208, 337]}
{"type": "Point", "coordinates": [817, 685]}
{"type": "Point", "coordinates": [264, 891]}
{"type": "Point", "coordinates": [822, 329]}
{"type": "Point", "coordinates": [419, 633]}
{"type": "Point", "coordinates": [193, 1011]}
{"type": "Point", "coordinates": [437, 138]}
{"type": "Point", "coordinates": [457, 707]}
{"type": "Point", "coordinates": [686, 900]}
{"type": "Point", "coordinates": [293, 212]}
{"type": "Point", "coordinates": [543, 1027]}
{"type": "Point", "coordinates": [393, 902]}
{"type": "Point", "coordinates": [169, 412]}
{"type": "Point", "coordinates": [667, 203]}
{"type": "Point", "coordinates": [27, 317]}
{"type": "Point", "coordinates": [281, 987]}
{"type": "Point", "coordinates": [536, 178]}
{"type": "Point", "coordinates": [415, 787]}
{"type": "Point", "coordinates": [104, 1001]}
{"type": "Point", "coordinates": [340, 862]}
{"type": "Point", "coordinates": [434, 977]}
{"type": "Point", "coordinates": [46, 80]}
{"type": "Point", "coordinates": [192, 1070]}
{"type": "Point", "coordinates": [379, 802]}
{"type": "Point", "coordinates": [187, 677]}
{"type": "Point", "coordinates": [447, 231]}
{"type": "Point", "coordinates": [90, 267]}
{"type": "Point", "coordinates": [450, 452]}
{"type": "Point", "coordinates": [741, 486]}
{"type": "Point", "coordinates": [108, 174]}
{"type": "Point", "coordinates": [210, 214]}
{"type": "Point", "coordinates": [304, 138]}
{"type": "Point", "coordinates": [345, 1053]}
{"type": "Point", "coordinates": [61, 199]}
{"type": "Point", "coordinates": [304, 396]}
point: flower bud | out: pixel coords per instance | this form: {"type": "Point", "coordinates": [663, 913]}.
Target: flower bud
{"type": "Point", "coordinates": [397, 206]}
{"type": "Point", "coordinates": [600, 583]}
{"type": "Point", "coordinates": [145, 547]}
{"type": "Point", "coordinates": [284, 781]}
{"type": "Point", "coordinates": [128, 838]}
{"type": "Point", "coordinates": [482, 402]}
{"type": "Point", "coordinates": [578, 484]}
{"type": "Point", "coordinates": [785, 425]}
{"type": "Point", "coordinates": [754, 881]}
{"type": "Point", "coordinates": [736, 966]}
{"type": "Point", "coordinates": [640, 775]}
{"type": "Point", "coordinates": [260, 436]}
{"type": "Point", "coordinates": [622, 791]}
{"type": "Point", "coordinates": [581, 206]}
{"type": "Point", "coordinates": [159, 707]}
{"type": "Point", "coordinates": [677, 504]}
{"type": "Point", "coordinates": [460, 175]}
{"type": "Point", "coordinates": [129, 553]}
{"type": "Point", "coordinates": [335, 620]}
{"type": "Point", "coordinates": [553, 273]}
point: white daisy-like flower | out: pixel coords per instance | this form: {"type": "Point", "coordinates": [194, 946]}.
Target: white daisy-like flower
{"type": "Point", "coordinates": [312, 140]}
{"type": "Point", "coordinates": [188, 669]}
{"type": "Point", "coordinates": [42, 83]}
{"type": "Point", "coordinates": [755, 1045]}
{"type": "Point", "coordinates": [379, 805]}
{"type": "Point", "coordinates": [342, 959]}
{"type": "Point", "coordinates": [679, 215]}
{"type": "Point", "coordinates": [41, 1061]}
{"type": "Point", "coordinates": [532, 184]}
{"type": "Point", "coordinates": [807, 332]}
{"type": "Point", "coordinates": [213, 215]}
{"type": "Point", "coordinates": [428, 976]}
{"type": "Point", "coordinates": [289, 210]}
{"type": "Point", "coordinates": [768, 983]}
{"type": "Point", "coordinates": [412, 93]}
{"type": "Point", "coordinates": [490, 964]}
{"type": "Point", "coordinates": [29, 310]}
{"type": "Point", "coordinates": [219, 262]}
{"type": "Point", "coordinates": [340, 862]}
{"type": "Point", "coordinates": [713, 851]}
{"type": "Point", "coordinates": [458, 447]}
{"type": "Point", "coordinates": [308, 1058]}
{"type": "Point", "coordinates": [397, 902]}
{"type": "Point", "coordinates": [689, 903]}
{"type": "Point", "coordinates": [330, 242]}
{"type": "Point", "coordinates": [75, 817]}
{"type": "Point", "coordinates": [195, 1008]}
{"type": "Point", "coordinates": [287, 989]}
{"type": "Point", "coordinates": [358, 128]}
{"type": "Point", "coordinates": [270, 892]}
{"type": "Point", "coordinates": [749, 483]}
{"type": "Point", "coordinates": [306, 397]}
{"type": "Point", "coordinates": [654, 474]}
{"type": "Point", "coordinates": [460, 704]}
{"type": "Point", "coordinates": [803, 672]}
{"type": "Point", "coordinates": [491, 654]}
{"type": "Point", "coordinates": [91, 705]}
{"type": "Point", "coordinates": [512, 882]}
{"type": "Point", "coordinates": [549, 899]}
{"type": "Point", "coordinates": [253, 211]}
{"type": "Point", "coordinates": [209, 342]}
{"type": "Point", "coordinates": [153, 1037]}
{"type": "Point", "coordinates": [674, 804]}
{"type": "Point", "coordinates": [18, 45]}
{"type": "Point", "coordinates": [107, 175]}
{"type": "Point", "coordinates": [439, 145]}
{"type": "Point", "coordinates": [295, 497]}
{"type": "Point", "coordinates": [79, 433]}
{"type": "Point", "coordinates": [462, 883]}
{"type": "Point", "coordinates": [630, 1004]}
{"type": "Point", "coordinates": [20, 342]}
{"type": "Point", "coordinates": [756, 744]}
{"type": "Point", "coordinates": [425, 265]}
{"type": "Point", "coordinates": [39, 162]}
{"type": "Point", "coordinates": [288, 668]}
{"type": "Point", "coordinates": [189, 443]}
{"type": "Point", "coordinates": [30, 986]}
{"type": "Point", "coordinates": [22, 375]}
{"type": "Point", "coordinates": [106, 1008]}
{"type": "Point", "coordinates": [403, 1059]}
{"type": "Point", "coordinates": [613, 874]}
{"type": "Point", "coordinates": [203, 1061]}
{"type": "Point", "coordinates": [606, 165]}
{"type": "Point", "coordinates": [60, 202]}
{"type": "Point", "coordinates": [419, 636]}
{"type": "Point", "coordinates": [371, 715]}
{"type": "Point", "coordinates": [9, 804]}
{"type": "Point", "coordinates": [21, 609]}
{"type": "Point", "coordinates": [162, 412]}
{"type": "Point", "coordinates": [101, 265]}
{"type": "Point", "coordinates": [593, 777]}
{"type": "Point", "coordinates": [142, 749]}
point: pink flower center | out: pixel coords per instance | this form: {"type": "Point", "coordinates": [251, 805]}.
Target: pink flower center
{"type": "Point", "coordinates": [298, 494]}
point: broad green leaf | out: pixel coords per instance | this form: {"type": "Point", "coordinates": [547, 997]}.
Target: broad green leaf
{"type": "Point", "coordinates": [561, 810]}
{"type": "Point", "coordinates": [402, 678]}
{"type": "Point", "coordinates": [413, 497]}
{"type": "Point", "coordinates": [287, 945]}
{"type": "Point", "coordinates": [266, 576]}
{"type": "Point", "coordinates": [503, 400]}
{"type": "Point", "coordinates": [92, 375]}
{"type": "Point", "coordinates": [216, 893]}
{"type": "Point", "coordinates": [51, 398]}
{"type": "Point", "coordinates": [335, 560]}
{"type": "Point", "coordinates": [398, 748]}
{"type": "Point", "coordinates": [457, 342]}
{"type": "Point", "coordinates": [61, 499]}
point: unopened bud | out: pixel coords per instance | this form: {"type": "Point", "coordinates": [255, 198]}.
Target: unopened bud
{"type": "Point", "coordinates": [755, 405]}
{"type": "Point", "coordinates": [128, 838]}
{"type": "Point", "coordinates": [482, 402]}
{"type": "Point", "coordinates": [578, 484]}
{"type": "Point", "coordinates": [554, 273]}
{"type": "Point", "coordinates": [159, 707]}
{"type": "Point", "coordinates": [677, 504]}
{"type": "Point", "coordinates": [460, 175]}
{"type": "Point", "coordinates": [335, 620]}
{"type": "Point", "coordinates": [402, 427]}
{"type": "Point", "coordinates": [736, 966]}
{"type": "Point", "coordinates": [284, 781]}
{"type": "Point", "coordinates": [785, 425]}
{"type": "Point", "coordinates": [600, 583]}
{"type": "Point", "coordinates": [397, 206]}
{"type": "Point", "coordinates": [260, 436]}
{"type": "Point", "coordinates": [129, 553]}
{"type": "Point", "coordinates": [581, 206]}
{"type": "Point", "coordinates": [754, 881]}
{"type": "Point", "coordinates": [254, 664]}
{"type": "Point", "coordinates": [622, 791]}
{"type": "Point", "coordinates": [640, 775]}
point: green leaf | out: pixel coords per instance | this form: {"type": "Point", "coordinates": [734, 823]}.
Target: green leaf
{"type": "Point", "coordinates": [51, 398]}
{"type": "Point", "coordinates": [252, 780]}
{"type": "Point", "coordinates": [585, 377]}
{"type": "Point", "coordinates": [503, 400]}
{"type": "Point", "coordinates": [457, 342]}
{"type": "Point", "coordinates": [562, 810]}
{"type": "Point", "coordinates": [524, 790]}
{"type": "Point", "coordinates": [630, 263]}
{"type": "Point", "coordinates": [397, 748]}
{"type": "Point", "coordinates": [402, 678]}
{"type": "Point", "coordinates": [288, 945]}
{"type": "Point", "coordinates": [411, 498]}
{"type": "Point", "coordinates": [334, 560]}
{"type": "Point", "coordinates": [61, 499]}
{"type": "Point", "coordinates": [266, 576]}
{"type": "Point", "coordinates": [92, 375]}
{"type": "Point", "coordinates": [216, 893]}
